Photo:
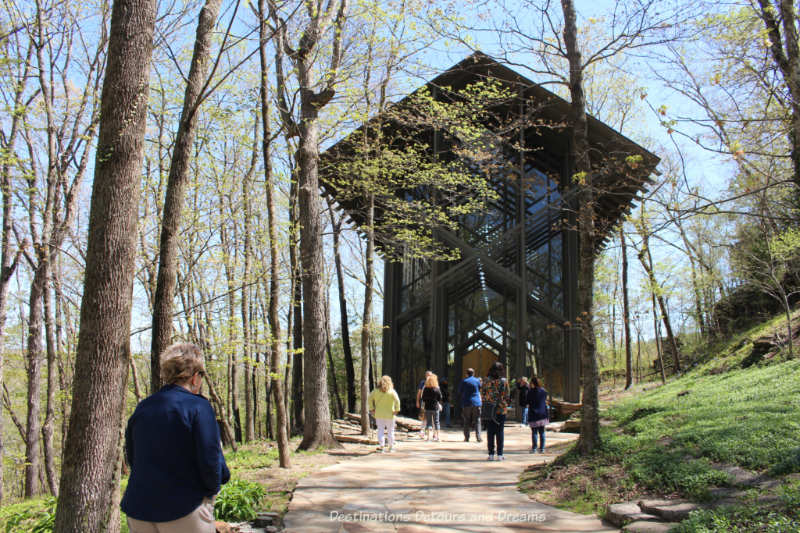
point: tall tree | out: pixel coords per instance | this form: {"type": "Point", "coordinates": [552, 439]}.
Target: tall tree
{"type": "Point", "coordinates": [176, 189]}
{"type": "Point", "coordinates": [101, 367]}
{"type": "Point", "coordinates": [8, 259]}
{"type": "Point", "coordinates": [282, 423]}
{"type": "Point", "coordinates": [585, 199]}
{"type": "Point", "coordinates": [626, 310]}
{"type": "Point", "coordinates": [322, 20]}
{"type": "Point", "coordinates": [53, 192]}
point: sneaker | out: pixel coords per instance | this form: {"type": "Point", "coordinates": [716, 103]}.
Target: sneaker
{"type": "Point", "coordinates": [435, 439]}
{"type": "Point", "coordinates": [379, 449]}
{"type": "Point", "coordinates": [533, 450]}
{"type": "Point", "coordinates": [501, 458]}
{"type": "Point", "coordinates": [541, 450]}
{"type": "Point", "coordinates": [491, 457]}
{"type": "Point", "coordinates": [389, 449]}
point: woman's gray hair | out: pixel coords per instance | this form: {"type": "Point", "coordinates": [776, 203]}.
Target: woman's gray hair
{"type": "Point", "coordinates": [181, 361]}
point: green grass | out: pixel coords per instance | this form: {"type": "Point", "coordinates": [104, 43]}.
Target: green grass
{"type": "Point", "coordinates": [251, 457]}
{"type": "Point", "coordinates": [671, 440]}
{"type": "Point", "coordinates": [742, 417]}
{"type": "Point", "coordinates": [35, 515]}
{"type": "Point", "coordinates": [749, 517]}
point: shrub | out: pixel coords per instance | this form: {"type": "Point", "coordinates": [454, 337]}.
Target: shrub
{"type": "Point", "coordinates": [35, 515]}
{"type": "Point", "coordinates": [238, 500]}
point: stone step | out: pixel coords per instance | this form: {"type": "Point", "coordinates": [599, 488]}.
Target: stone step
{"type": "Point", "coordinates": [670, 510]}
{"type": "Point", "coordinates": [643, 526]}
{"type": "Point", "coordinates": [620, 514]}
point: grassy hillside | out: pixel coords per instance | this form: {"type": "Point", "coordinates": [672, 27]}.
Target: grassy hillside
{"type": "Point", "coordinates": [678, 439]}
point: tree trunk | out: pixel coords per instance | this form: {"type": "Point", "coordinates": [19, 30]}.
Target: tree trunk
{"type": "Point", "coordinates": [281, 422]}
{"type": "Point", "coordinates": [350, 371]}
{"type": "Point", "coordinates": [227, 432]}
{"type": "Point", "coordinates": [34, 357]}
{"type": "Point", "coordinates": [233, 372]}
{"type": "Point", "coordinates": [317, 430]}
{"type": "Point", "coordinates": [247, 355]}
{"type": "Point", "coordinates": [590, 420]}
{"type": "Point", "coordinates": [786, 55]}
{"type": "Point", "coordinates": [101, 366]}
{"type": "Point", "coordinates": [331, 366]}
{"type": "Point", "coordinates": [176, 190]}
{"type": "Point", "coordinates": [626, 312]}
{"type": "Point", "coordinates": [365, 328]}
{"type": "Point", "coordinates": [49, 419]}
{"type": "Point", "coordinates": [647, 264]}
{"type": "Point", "coordinates": [298, 416]}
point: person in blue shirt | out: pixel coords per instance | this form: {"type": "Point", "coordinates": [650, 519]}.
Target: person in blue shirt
{"type": "Point", "coordinates": [173, 447]}
{"type": "Point", "coordinates": [470, 391]}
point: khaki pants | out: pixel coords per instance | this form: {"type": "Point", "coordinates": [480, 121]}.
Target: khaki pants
{"type": "Point", "coordinates": [194, 522]}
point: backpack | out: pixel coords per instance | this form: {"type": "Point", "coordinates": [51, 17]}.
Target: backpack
{"type": "Point", "coordinates": [489, 408]}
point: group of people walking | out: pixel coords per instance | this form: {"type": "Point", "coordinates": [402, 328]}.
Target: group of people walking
{"type": "Point", "coordinates": [488, 401]}
{"type": "Point", "coordinates": [484, 401]}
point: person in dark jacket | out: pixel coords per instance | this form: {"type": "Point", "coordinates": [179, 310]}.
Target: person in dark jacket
{"type": "Point", "coordinates": [522, 399]}
{"type": "Point", "coordinates": [173, 447]}
{"type": "Point", "coordinates": [470, 391]}
{"type": "Point", "coordinates": [431, 396]}
{"type": "Point", "coordinates": [445, 401]}
{"type": "Point", "coordinates": [537, 413]}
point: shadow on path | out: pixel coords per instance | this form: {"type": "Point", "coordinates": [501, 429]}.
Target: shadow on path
{"type": "Point", "coordinates": [432, 486]}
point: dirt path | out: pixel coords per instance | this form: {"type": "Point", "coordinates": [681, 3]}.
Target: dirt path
{"type": "Point", "coordinates": [432, 486]}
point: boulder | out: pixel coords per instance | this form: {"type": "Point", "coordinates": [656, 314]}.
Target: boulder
{"type": "Point", "coordinates": [642, 526]}
{"type": "Point", "coordinates": [670, 510]}
{"type": "Point", "coordinates": [620, 514]}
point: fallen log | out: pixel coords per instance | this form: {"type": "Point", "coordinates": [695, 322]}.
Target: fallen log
{"type": "Point", "coordinates": [565, 409]}
{"type": "Point", "coordinates": [356, 439]}
{"type": "Point", "coordinates": [409, 424]}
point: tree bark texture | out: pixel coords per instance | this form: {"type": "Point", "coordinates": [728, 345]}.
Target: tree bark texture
{"type": "Point", "coordinates": [34, 374]}
{"type": "Point", "coordinates": [176, 190]}
{"type": "Point", "coordinates": [49, 418]}
{"type": "Point", "coordinates": [101, 365]}
{"type": "Point", "coordinates": [317, 429]}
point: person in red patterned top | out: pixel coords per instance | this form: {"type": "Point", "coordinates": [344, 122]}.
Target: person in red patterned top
{"type": "Point", "coordinates": [496, 397]}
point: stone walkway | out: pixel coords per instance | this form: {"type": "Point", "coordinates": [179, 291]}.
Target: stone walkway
{"type": "Point", "coordinates": [432, 486]}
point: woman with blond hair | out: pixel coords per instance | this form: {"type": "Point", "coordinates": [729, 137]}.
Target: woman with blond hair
{"type": "Point", "coordinates": [431, 396]}
{"type": "Point", "coordinates": [384, 404]}
{"type": "Point", "coordinates": [172, 446]}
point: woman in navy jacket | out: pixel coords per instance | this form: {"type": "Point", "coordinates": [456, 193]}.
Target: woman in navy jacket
{"type": "Point", "coordinates": [173, 447]}
{"type": "Point", "coordinates": [537, 413]}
